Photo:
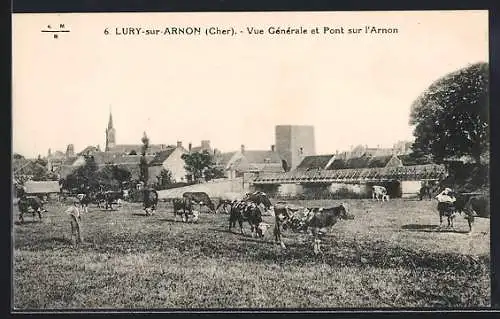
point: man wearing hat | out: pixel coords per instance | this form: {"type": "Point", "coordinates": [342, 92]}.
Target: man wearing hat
{"type": "Point", "coordinates": [75, 219]}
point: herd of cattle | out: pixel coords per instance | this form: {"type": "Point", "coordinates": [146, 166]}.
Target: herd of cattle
{"type": "Point", "coordinates": [249, 208]}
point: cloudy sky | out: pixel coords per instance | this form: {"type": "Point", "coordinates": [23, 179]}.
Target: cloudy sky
{"type": "Point", "coordinates": [231, 90]}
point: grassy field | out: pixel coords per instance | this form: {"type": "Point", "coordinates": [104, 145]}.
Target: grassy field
{"type": "Point", "coordinates": [391, 255]}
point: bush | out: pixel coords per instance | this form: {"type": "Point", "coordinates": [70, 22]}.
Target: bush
{"type": "Point", "coordinates": [466, 178]}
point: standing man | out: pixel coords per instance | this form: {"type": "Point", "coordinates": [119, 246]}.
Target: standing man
{"type": "Point", "coordinates": [75, 220]}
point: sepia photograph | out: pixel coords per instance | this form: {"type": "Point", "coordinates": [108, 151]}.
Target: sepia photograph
{"type": "Point", "coordinates": [250, 160]}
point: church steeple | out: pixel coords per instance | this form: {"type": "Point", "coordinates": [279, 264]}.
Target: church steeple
{"type": "Point", "coordinates": [110, 134]}
{"type": "Point", "coordinates": [110, 122]}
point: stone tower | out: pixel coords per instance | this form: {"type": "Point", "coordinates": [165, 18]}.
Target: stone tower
{"type": "Point", "coordinates": [110, 134]}
{"type": "Point", "coordinates": [294, 142]}
{"type": "Point", "coordinates": [70, 151]}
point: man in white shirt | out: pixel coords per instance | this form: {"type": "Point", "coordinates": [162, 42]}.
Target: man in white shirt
{"type": "Point", "coordinates": [75, 219]}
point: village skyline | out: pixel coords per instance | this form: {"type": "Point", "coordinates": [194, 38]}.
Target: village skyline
{"type": "Point", "coordinates": [354, 91]}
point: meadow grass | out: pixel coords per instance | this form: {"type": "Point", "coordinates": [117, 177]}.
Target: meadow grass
{"type": "Point", "coordinates": [390, 255]}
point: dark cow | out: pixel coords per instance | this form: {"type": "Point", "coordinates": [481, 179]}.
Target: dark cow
{"type": "Point", "coordinates": [259, 198]}
{"type": "Point", "coordinates": [112, 198]}
{"type": "Point", "coordinates": [200, 198]}
{"type": "Point", "coordinates": [150, 201]}
{"type": "Point", "coordinates": [324, 218]}
{"type": "Point", "coordinates": [242, 211]}
{"type": "Point", "coordinates": [100, 199]}
{"type": "Point", "coordinates": [449, 210]}
{"type": "Point", "coordinates": [468, 204]}
{"type": "Point", "coordinates": [30, 204]}
{"type": "Point", "coordinates": [184, 207]}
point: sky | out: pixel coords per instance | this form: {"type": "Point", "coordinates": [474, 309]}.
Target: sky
{"type": "Point", "coordinates": [231, 90]}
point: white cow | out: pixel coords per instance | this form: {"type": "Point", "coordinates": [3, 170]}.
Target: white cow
{"type": "Point", "coordinates": [379, 192]}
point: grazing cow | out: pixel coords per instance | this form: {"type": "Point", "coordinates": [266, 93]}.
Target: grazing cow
{"type": "Point", "coordinates": [246, 211]}
{"type": "Point", "coordinates": [259, 198]}
{"type": "Point", "coordinates": [32, 205]}
{"type": "Point", "coordinates": [184, 208]}
{"type": "Point", "coordinates": [324, 218]}
{"type": "Point", "coordinates": [379, 192]}
{"type": "Point", "coordinates": [200, 198]}
{"type": "Point", "coordinates": [150, 201]}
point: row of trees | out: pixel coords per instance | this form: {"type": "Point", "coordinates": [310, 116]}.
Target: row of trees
{"type": "Point", "coordinates": [89, 175]}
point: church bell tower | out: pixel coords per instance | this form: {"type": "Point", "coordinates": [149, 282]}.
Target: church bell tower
{"type": "Point", "coordinates": [110, 134]}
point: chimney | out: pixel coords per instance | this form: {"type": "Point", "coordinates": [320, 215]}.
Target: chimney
{"type": "Point", "coordinates": [272, 148]}
{"type": "Point", "coordinates": [242, 148]}
{"type": "Point", "coordinates": [179, 144]}
{"type": "Point", "coordinates": [189, 147]}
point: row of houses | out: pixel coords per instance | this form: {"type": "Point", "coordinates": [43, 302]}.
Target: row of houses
{"type": "Point", "coordinates": [234, 164]}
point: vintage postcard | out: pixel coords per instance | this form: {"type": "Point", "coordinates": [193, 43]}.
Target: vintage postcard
{"type": "Point", "coordinates": [250, 160]}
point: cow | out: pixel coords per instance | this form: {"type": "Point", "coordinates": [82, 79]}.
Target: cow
{"type": "Point", "coordinates": [470, 205]}
{"type": "Point", "coordinates": [379, 192]}
{"type": "Point", "coordinates": [184, 208]}
{"type": "Point", "coordinates": [150, 201]}
{"type": "Point", "coordinates": [246, 211]}
{"type": "Point", "coordinates": [112, 198]}
{"type": "Point", "coordinates": [29, 204]}
{"type": "Point", "coordinates": [200, 198]}
{"type": "Point", "coordinates": [259, 198]}
{"type": "Point", "coordinates": [475, 205]}
{"type": "Point", "coordinates": [100, 199]}
{"type": "Point", "coordinates": [325, 218]}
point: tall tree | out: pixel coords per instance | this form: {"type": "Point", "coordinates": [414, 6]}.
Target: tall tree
{"type": "Point", "coordinates": [197, 164]}
{"type": "Point", "coordinates": [452, 117]}
{"type": "Point", "coordinates": [84, 176]}
{"type": "Point", "coordinates": [143, 165]}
